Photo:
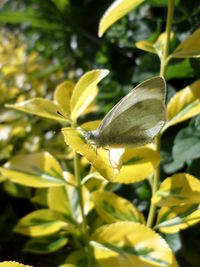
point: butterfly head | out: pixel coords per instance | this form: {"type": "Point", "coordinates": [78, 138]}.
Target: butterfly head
{"type": "Point", "coordinates": [93, 137]}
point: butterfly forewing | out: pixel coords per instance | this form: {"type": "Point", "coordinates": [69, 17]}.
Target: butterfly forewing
{"type": "Point", "coordinates": [137, 118]}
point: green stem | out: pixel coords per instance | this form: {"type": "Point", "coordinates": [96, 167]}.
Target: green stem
{"type": "Point", "coordinates": [163, 68]}
{"type": "Point", "coordinates": [81, 203]}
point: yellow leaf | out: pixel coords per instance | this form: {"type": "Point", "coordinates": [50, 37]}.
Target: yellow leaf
{"type": "Point", "coordinates": [62, 97]}
{"type": "Point", "coordinates": [184, 105]}
{"type": "Point", "coordinates": [157, 47]}
{"type": "Point", "coordinates": [91, 125]}
{"type": "Point", "coordinates": [117, 10]}
{"type": "Point", "coordinates": [181, 188]}
{"type": "Point", "coordinates": [137, 165]}
{"type": "Point", "coordinates": [101, 159]}
{"type": "Point", "coordinates": [189, 47]}
{"type": "Point", "coordinates": [41, 107]}
{"type": "Point", "coordinates": [131, 244]}
{"type": "Point", "coordinates": [85, 91]}
{"type": "Point", "coordinates": [12, 264]}
{"type": "Point", "coordinates": [173, 219]}
{"type": "Point", "coordinates": [113, 208]}
{"type": "Point", "coordinates": [39, 223]}
{"type": "Point", "coordinates": [36, 170]}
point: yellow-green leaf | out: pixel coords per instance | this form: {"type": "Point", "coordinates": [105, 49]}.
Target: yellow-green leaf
{"type": "Point", "coordinates": [58, 201]}
{"type": "Point", "coordinates": [137, 165]}
{"type": "Point", "coordinates": [41, 107]}
{"type": "Point", "coordinates": [45, 245]}
{"type": "Point", "coordinates": [179, 189]}
{"type": "Point", "coordinates": [117, 10]}
{"type": "Point", "coordinates": [156, 47]}
{"type": "Point", "coordinates": [63, 95]}
{"type": "Point", "coordinates": [131, 244]}
{"type": "Point", "coordinates": [189, 47]}
{"type": "Point", "coordinates": [85, 91]}
{"type": "Point", "coordinates": [184, 105]}
{"type": "Point", "coordinates": [12, 264]}
{"type": "Point", "coordinates": [36, 170]}
{"type": "Point", "coordinates": [173, 219]}
{"type": "Point", "coordinates": [77, 258]}
{"type": "Point", "coordinates": [39, 223]}
{"type": "Point", "coordinates": [101, 159]}
{"type": "Point", "coordinates": [113, 208]}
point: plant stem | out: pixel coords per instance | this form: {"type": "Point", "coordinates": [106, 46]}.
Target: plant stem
{"type": "Point", "coordinates": [81, 203]}
{"type": "Point", "coordinates": [163, 68]}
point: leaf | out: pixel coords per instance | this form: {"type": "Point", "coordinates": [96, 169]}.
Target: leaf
{"type": "Point", "coordinates": [77, 258]}
{"type": "Point", "coordinates": [85, 91]}
{"type": "Point", "coordinates": [179, 70]}
{"type": "Point", "coordinates": [30, 17]}
{"type": "Point", "coordinates": [131, 244]}
{"type": "Point", "coordinates": [100, 159]}
{"type": "Point", "coordinates": [36, 170]}
{"type": "Point", "coordinates": [41, 107]}
{"type": "Point", "coordinates": [39, 223]}
{"type": "Point", "coordinates": [189, 47]}
{"type": "Point", "coordinates": [58, 201]}
{"type": "Point", "coordinates": [137, 165]}
{"type": "Point", "coordinates": [179, 189]}
{"type": "Point", "coordinates": [113, 208]}
{"type": "Point", "coordinates": [45, 245]}
{"type": "Point", "coordinates": [12, 264]}
{"type": "Point", "coordinates": [63, 95]}
{"type": "Point", "coordinates": [172, 220]}
{"type": "Point", "coordinates": [117, 10]}
{"type": "Point", "coordinates": [157, 47]}
{"type": "Point", "coordinates": [183, 105]}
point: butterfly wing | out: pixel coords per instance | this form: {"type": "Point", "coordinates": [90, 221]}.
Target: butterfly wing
{"type": "Point", "coordinates": [138, 117]}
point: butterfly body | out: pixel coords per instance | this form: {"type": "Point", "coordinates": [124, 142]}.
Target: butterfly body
{"type": "Point", "coordinates": [136, 119]}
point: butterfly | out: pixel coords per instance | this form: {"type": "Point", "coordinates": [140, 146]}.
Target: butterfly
{"type": "Point", "coordinates": [135, 120]}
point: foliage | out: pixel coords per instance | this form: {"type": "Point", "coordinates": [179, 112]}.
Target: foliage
{"type": "Point", "coordinates": [85, 206]}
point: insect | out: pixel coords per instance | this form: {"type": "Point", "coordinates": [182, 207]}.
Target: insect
{"type": "Point", "coordinates": [135, 120]}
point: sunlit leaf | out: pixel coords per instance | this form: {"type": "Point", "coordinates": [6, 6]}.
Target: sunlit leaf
{"type": "Point", "coordinates": [41, 107]}
{"type": "Point", "coordinates": [45, 245]}
{"type": "Point", "coordinates": [117, 10]}
{"type": "Point", "coordinates": [157, 47]}
{"type": "Point", "coordinates": [85, 91]}
{"type": "Point", "coordinates": [101, 159]}
{"type": "Point", "coordinates": [12, 264]}
{"type": "Point", "coordinates": [138, 164]}
{"type": "Point", "coordinates": [113, 208]}
{"type": "Point", "coordinates": [181, 188]}
{"type": "Point", "coordinates": [131, 244]}
{"type": "Point", "coordinates": [173, 219]}
{"type": "Point", "coordinates": [39, 223]}
{"type": "Point", "coordinates": [62, 96]}
{"type": "Point", "coordinates": [183, 105]}
{"type": "Point", "coordinates": [58, 201]}
{"type": "Point", "coordinates": [189, 47]}
{"type": "Point", "coordinates": [36, 170]}
{"type": "Point", "coordinates": [77, 258]}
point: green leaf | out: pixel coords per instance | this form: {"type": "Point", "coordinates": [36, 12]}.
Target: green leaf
{"type": "Point", "coordinates": [35, 170]}
{"type": "Point", "coordinates": [41, 107]}
{"type": "Point", "coordinates": [189, 47]}
{"type": "Point", "coordinates": [30, 17]}
{"type": "Point", "coordinates": [117, 10]}
{"type": "Point", "coordinates": [39, 223]}
{"type": "Point", "coordinates": [179, 189]}
{"type": "Point", "coordinates": [63, 95]}
{"type": "Point", "coordinates": [179, 70]}
{"type": "Point", "coordinates": [45, 245]}
{"type": "Point", "coordinates": [172, 220]}
{"type": "Point", "coordinates": [183, 105]}
{"type": "Point", "coordinates": [113, 208]}
{"type": "Point", "coordinates": [130, 244]}
{"type": "Point", "coordinates": [85, 91]}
